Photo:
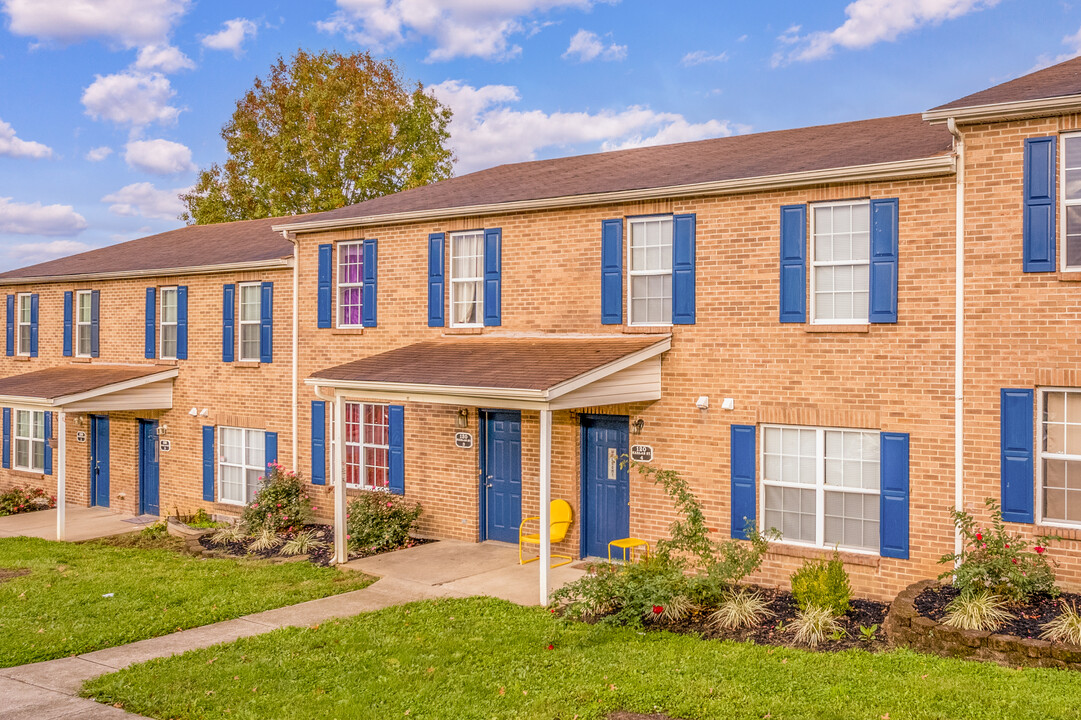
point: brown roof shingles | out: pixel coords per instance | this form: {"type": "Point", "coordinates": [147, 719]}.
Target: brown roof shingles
{"type": "Point", "coordinates": [1056, 81]}
{"type": "Point", "coordinates": [511, 363]}
{"type": "Point", "coordinates": [63, 380]}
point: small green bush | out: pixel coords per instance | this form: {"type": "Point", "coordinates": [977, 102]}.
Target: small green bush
{"type": "Point", "coordinates": [627, 594]}
{"type": "Point", "coordinates": [822, 584]}
{"type": "Point", "coordinates": [380, 521]}
{"type": "Point", "coordinates": [976, 609]}
{"type": "Point", "coordinates": [25, 499]}
{"type": "Point", "coordinates": [281, 504]}
{"type": "Point", "coordinates": [201, 520]}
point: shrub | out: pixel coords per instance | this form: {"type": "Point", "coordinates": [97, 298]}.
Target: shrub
{"type": "Point", "coordinates": [822, 584]}
{"type": "Point", "coordinates": [282, 502]}
{"type": "Point", "coordinates": [156, 531]}
{"type": "Point", "coordinates": [741, 609]}
{"type": "Point", "coordinates": [999, 561]}
{"type": "Point", "coordinates": [976, 609]}
{"type": "Point", "coordinates": [627, 594]}
{"type": "Point", "coordinates": [1064, 628]}
{"type": "Point", "coordinates": [380, 521]}
{"type": "Point", "coordinates": [25, 499]}
{"type": "Point", "coordinates": [814, 624]}
{"type": "Point", "coordinates": [201, 519]}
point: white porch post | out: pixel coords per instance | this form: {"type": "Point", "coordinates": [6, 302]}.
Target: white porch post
{"type": "Point", "coordinates": [341, 552]}
{"type": "Point", "coordinates": [61, 472]}
{"type": "Point", "coordinates": [545, 502]}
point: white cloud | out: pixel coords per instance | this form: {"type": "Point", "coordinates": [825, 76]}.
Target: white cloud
{"type": "Point", "coordinates": [161, 157]}
{"type": "Point", "coordinates": [131, 98]}
{"type": "Point", "coordinates": [99, 153]}
{"type": "Point", "coordinates": [128, 22]}
{"type": "Point", "coordinates": [1073, 49]}
{"type": "Point", "coordinates": [232, 36]}
{"type": "Point", "coordinates": [12, 146]}
{"type": "Point", "coordinates": [459, 28]}
{"type": "Point", "coordinates": [873, 21]}
{"type": "Point", "coordinates": [144, 200]}
{"type": "Point", "coordinates": [33, 253]}
{"type": "Point", "coordinates": [701, 57]}
{"type": "Point", "coordinates": [586, 46]}
{"type": "Point", "coordinates": [166, 58]}
{"type": "Point", "coordinates": [37, 219]}
{"type": "Point", "coordinates": [485, 131]}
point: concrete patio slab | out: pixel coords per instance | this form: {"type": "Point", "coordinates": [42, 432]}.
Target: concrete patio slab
{"type": "Point", "coordinates": [83, 523]}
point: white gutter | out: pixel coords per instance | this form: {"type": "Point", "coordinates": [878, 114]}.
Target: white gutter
{"type": "Point", "coordinates": [901, 169]}
{"type": "Point", "coordinates": [275, 264]}
{"type": "Point", "coordinates": [1006, 111]}
{"type": "Point", "coordinates": [959, 336]}
{"type": "Point", "coordinates": [291, 237]}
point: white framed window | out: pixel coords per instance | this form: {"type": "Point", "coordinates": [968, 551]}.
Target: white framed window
{"type": "Point", "coordinates": [1070, 182]}
{"type": "Point", "coordinates": [1060, 456]}
{"type": "Point", "coordinates": [467, 279]}
{"type": "Point", "coordinates": [168, 329]}
{"type": "Point", "coordinates": [350, 284]}
{"type": "Point", "coordinates": [250, 316]}
{"type": "Point", "coordinates": [840, 261]}
{"type": "Point", "coordinates": [83, 318]}
{"type": "Point", "coordinates": [241, 464]}
{"type": "Point", "coordinates": [29, 440]}
{"type": "Point", "coordinates": [366, 442]}
{"type": "Point", "coordinates": [649, 271]}
{"type": "Point", "coordinates": [24, 321]}
{"type": "Point", "coordinates": [820, 486]}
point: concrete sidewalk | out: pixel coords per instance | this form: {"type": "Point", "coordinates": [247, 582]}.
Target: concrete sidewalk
{"type": "Point", "coordinates": [83, 523]}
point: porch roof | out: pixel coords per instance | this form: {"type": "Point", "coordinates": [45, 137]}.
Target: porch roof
{"type": "Point", "coordinates": [515, 372]}
{"type": "Point", "coordinates": [77, 388]}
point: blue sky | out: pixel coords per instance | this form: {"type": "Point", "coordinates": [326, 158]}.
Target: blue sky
{"type": "Point", "coordinates": [108, 107]}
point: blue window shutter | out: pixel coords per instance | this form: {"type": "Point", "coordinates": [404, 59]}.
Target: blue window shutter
{"type": "Point", "coordinates": [1016, 455]}
{"type": "Point", "coordinates": [683, 231]}
{"type": "Point", "coordinates": [1038, 228]}
{"type": "Point", "coordinates": [270, 448]}
{"type": "Point", "coordinates": [319, 442]}
{"type": "Point", "coordinates": [208, 463]}
{"type": "Point", "coordinates": [150, 342]}
{"type": "Point", "coordinates": [34, 325]}
{"type": "Point", "coordinates": [325, 290]}
{"type": "Point", "coordinates": [793, 299]}
{"type": "Point", "coordinates": [743, 480]}
{"type": "Point", "coordinates": [893, 502]}
{"type": "Point", "coordinates": [182, 322]}
{"type": "Point", "coordinates": [7, 438]}
{"type": "Point", "coordinates": [67, 322]}
{"type": "Point", "coordinates": [436, 280]}
{"type": "Point", "coordinates": [396, 453]}
{"type": "Point", "coordinates": [884, 252]}
{"type": "Point", "coordinates": [266, 323]}
{"type": "Point", "coordinates": [11, 326]}
{"type": "Point", "coordinates": [95, 323]}
{"type": "Point", "coordinates": [370, 293]}
{"type": "Point", "coordinates": [228, 322]}
{"type": "Point", "coordinates": [493, 264]}
{"type": "Point", "coordinates": [612, 272]}
{"type": "Point", "coordinates": [47, 467]}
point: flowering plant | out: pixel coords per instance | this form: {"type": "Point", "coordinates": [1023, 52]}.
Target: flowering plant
{"type": "Point", "coordinates": [1000, 561]}
{"type": "Point", "coordinates": [281, 504]}
{"type": "Point", "coordinates": [25, 499]}
{"type": "Point", "coordinates": [380, 521]}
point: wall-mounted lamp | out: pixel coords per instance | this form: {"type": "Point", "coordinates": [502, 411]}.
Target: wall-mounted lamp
{"type": "Point", "coordinates": [702, 403]}
{"type": "Point", "coordinates": [636, 426]}
{"type": "Point", "coordinates": [204, 412]}
{"type": "Point", "coordinates": [462, 419]}
{"type": "Point", "coordinates": [194, 412]}
{"type": "Point", "coordinates": [163, 429]}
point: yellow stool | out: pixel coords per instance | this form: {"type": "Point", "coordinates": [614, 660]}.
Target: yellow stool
{"type": "Point", "coordinates": [628, 544]}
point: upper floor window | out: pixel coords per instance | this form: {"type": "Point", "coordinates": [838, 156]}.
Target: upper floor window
{"type": "Point", "coordinates": [649, 282]}
{"type": "Point", "coordinates": [30, 440]}
{"type": "Point", "coordinates": [168, 330]}
{"type": "Point", "coordinates": [1060, 455]}
{"type": "Point", "coordinates": [241, 464]}
{"type": "Point", "coordinates": [25, 321]}
{"type": "Point", "coordinates": [1071, 201]}
{"type": "Point", "coordinates": [250, 315]}
{"type": "Point", "coordinates": [841, 261]}
{"type": "Point", "coordinates": [467, 279]}
{"type": "Point", "coordinates": [83, 323]}
{"type": "Point", "coordinates": [366, 446]}
{"type": "Point", "coordinates": [350, 284]}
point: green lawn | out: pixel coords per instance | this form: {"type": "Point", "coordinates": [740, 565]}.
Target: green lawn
{"type": "Point", "coordinates": [489, 659]}
{"type": "Point", "coordinates": [82, 597]}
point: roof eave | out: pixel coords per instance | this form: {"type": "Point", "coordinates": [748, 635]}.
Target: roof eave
{"type": "Point", "coordinates": [273, 264]}
{"type": "Point", "coordinates": [1041, 107]}
{"type": "Point", "coordinates": [934, 165]}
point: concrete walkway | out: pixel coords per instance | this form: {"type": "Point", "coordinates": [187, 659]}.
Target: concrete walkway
{"type": "Point", "coordinates": [83, 523]}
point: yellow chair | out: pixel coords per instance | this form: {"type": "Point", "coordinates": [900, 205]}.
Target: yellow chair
{"type": "Point", "coordinates": [561, 522]}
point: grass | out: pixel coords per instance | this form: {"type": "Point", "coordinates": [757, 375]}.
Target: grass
{"type": "Point", "coordinates": [482, 658]}
{"type": "Point", "coordinates": [88, 596]}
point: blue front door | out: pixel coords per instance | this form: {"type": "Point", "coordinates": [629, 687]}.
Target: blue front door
{"type": "Point", "coordinates": [502, 475]}
{"type": "Point", "coordinates": [148, 467]}
{"type": "Point", "coordinates": [99, 460]}
{"type": "Point", "coordinates": [606, 484]}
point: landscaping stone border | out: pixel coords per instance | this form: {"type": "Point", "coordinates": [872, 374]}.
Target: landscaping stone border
{"type": "Point", "coordinates": [905, 626]}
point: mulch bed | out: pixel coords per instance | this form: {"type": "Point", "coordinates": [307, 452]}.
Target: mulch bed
{"type": "Point", "coordinates": [1028, 618]}
{"type": "Point", "coordinates": [320, 556]}
{"type": "Point", "coordinates": [863, 613]}
{"type": "Point", "coordinates": [9, 573]}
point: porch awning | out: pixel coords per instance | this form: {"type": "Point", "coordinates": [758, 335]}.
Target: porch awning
{"type": "Point", "coordinates": [91, 388]}
{"type": "Point", "coordinates": [509, 372]}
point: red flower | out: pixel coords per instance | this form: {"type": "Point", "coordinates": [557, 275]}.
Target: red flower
{"type": "Point", "coordinates": [1013, 560]}
{"type": "Point", "coordinates": [658, 609]}
{"type": "Point", "coordinates": [1007, 544]}
{"type": "Point", "coordinates": [1039, 550]}
{"type": "Point", "coordinates": [550, 646]}
{"type": "Point", "coordinates": [979, 536]}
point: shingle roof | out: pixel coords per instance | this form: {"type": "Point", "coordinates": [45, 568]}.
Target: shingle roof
{"type": "Point", "coordinates": [864, 142]}
{"type": "Point", "coordinates": [191, 246]}
{"type": "Point", "coordinates": [63, 380]}
{"type": "Point", "coordinates": [1056, 81]}
{"type": "Point", "coordinates": [510, 363]}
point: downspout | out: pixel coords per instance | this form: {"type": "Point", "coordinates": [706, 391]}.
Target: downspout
{"type": "Point", "coordinates": [959, 335]}
{"type": "Point", "coordinates": [291, 237]}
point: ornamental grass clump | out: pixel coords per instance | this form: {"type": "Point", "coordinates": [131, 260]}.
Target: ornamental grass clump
{"type": "Point", "coordinates": [265, 539]}
{"type": "Point", "coordinates": [230, 533]}
{"type": "Point", "coordinates": [814, 624]}
{"type": "Point", "coordinates": [302, 543]}
{"type": "Point", "coordinates": [1064, 628]}
{"type": "Point", "coordinates": [281, 504]}
{"type": "Point", "coordinates": [976, 609]}
{"type": "Point", "coordinates": [740, 609]}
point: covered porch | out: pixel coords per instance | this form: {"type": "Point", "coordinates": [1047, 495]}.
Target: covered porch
{"type": "Point", "coordinates": [491, 374]}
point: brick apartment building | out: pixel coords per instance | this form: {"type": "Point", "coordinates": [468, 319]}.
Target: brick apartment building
{"type": "Point", "coordinates": [839, 331]}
